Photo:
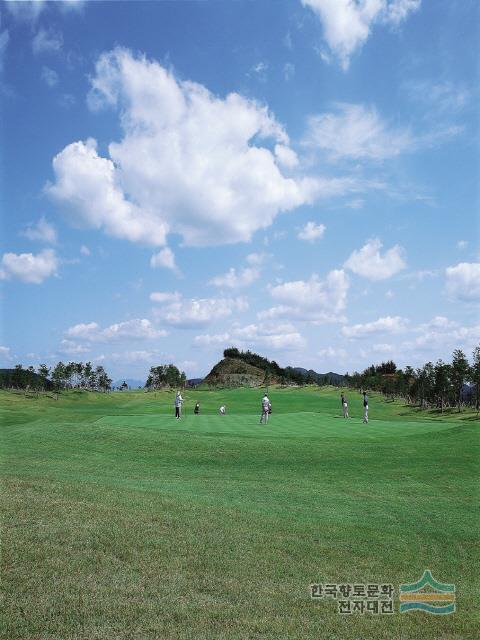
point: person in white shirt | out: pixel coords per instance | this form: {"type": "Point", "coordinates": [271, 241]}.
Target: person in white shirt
{"type": "Point", "coordinates": [178, 405]}
{"type": "Point", "coordinates": [223, 410]}
{"type": "Point", "coordinates": [344, 402]}
{"type": "Point", "coordinates": [266, 408]}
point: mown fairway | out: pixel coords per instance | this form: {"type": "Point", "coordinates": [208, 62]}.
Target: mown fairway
{"type": "Point", "coordinates": [119, 522]}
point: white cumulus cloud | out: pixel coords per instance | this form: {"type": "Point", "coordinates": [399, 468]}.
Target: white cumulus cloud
{"type": "Point", "coordinates": [311, 232]}
{"type": "Point", "coordinates": [164, 258]}
{"type": "Point", "coordinates": [347, 24]}
{"type": "Point", "coordinates": [189, 313]}
{"type": "Point", "coordinates": [29, 267]}
{"type": "Point", "coordinates": [312, 300]}
{"type": "Point", "coordinates": [463, 281]}
{"type": "Point", "coordinates": [384, 325]}
{"type": "Point", "coordinates": [283, 337]}
{"type": "Point", "coordinates": [370, 263]}
{"type": "Point", "coordinates": [237, 279]}
{"type": "Point", "coordinates": [191, 162]}
{"type": "Point", "coordinates": [87, 187]}
{"type": "Point", "coordinates": [136, 329]}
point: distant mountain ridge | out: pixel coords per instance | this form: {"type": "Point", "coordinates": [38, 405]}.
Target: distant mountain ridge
{"type": "Point", "coordinates": [331, 377]}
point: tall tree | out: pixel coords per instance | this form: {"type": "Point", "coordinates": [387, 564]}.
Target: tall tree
{"type": "Point", "coordinates": [459, 372]}
{"type": "Point", "coordinates": [475, 375]}
{"type": "Point", "coordinates": [442, 383]}
{"type": "Point", "coordinates": [43, 372]}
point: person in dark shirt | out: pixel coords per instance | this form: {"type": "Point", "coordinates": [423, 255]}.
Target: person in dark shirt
{"type": "Point", "coordinates": [365, 407]}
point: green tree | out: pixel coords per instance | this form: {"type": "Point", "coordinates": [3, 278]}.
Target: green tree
{"type": "Point", "coordinates": [475, 375]}
{"type": "Point", "coordinates": [43, 372]}
{"type": "Point", "coordinates": [59, 376]}
{"type": "Point", "coordinates": [459, 372]}
{"type": "Point", "coordinates": [442, 383]}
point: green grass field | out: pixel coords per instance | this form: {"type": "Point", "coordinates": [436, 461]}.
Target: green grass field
{"type": "Point", "coordinates": [121, 523]}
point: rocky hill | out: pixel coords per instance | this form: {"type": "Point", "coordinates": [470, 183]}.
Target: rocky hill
{"type": "Point", "coordinates": [234, 372]}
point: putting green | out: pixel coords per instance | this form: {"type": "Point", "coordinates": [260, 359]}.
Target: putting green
{"type": "Point", "coordinates": [285, 425]}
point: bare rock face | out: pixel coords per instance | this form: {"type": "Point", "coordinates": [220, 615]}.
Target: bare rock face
{"type": "Point", "coordinates": [233, 372]}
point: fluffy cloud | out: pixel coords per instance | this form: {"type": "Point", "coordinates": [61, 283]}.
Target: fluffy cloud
{"type": "Point", "coordinates": [137, 329]}
{"type": "Point", "coordinates": [234, 279]}
{"type": "Point", "coordinates": [83, 178]}
{"type": "Point", "coordinates": [369, 263]}
{"type": "Point", "coordinates": [244, 277]}
{"type": "Point", "coordinates": [189, 313]}
{"type": "Point", "coordinates": [312, 232]}
{"type": "Point", "coordinates": [28, 266]}
{"type": "Point", "coordinates": [347, 23]}
{"type": "Point", "coordinates": [444, 334]}
{"type": "Point", "coordinates": [357, 132]}
{"type": "Point", "coordinates": [191, 163]}
{"type": "Point", "coordinates": [283, 337]}
{"type": "Point", "coordinates": [277, 337]}
{"type": "Point", "coordinates": [42, 231]}
{"type": "Point", "coordinates": [285, 156]}
{"type": "Point", "coordinates": [164, 258]}
{"type": "Point", "coordinates": [313, 300]}
{"type": "Point", "coordinates": [463, 281]}
{"type": "Point", "coordinates": [380, 326]}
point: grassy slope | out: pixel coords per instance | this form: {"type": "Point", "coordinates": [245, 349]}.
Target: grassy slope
{"type": "Point", "coordinates": [119, 522]}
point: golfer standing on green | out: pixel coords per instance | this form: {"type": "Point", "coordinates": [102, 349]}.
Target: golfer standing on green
{"type": "Point", "coordinates": [266, 408]}
{"type": "Point", "coordinates": [365, 407]}
{"type": "Point", "coordinates": [178, 405]}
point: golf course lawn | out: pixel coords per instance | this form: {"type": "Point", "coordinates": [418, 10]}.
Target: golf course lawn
{"type": "Point", "coordinates": [119, 522]}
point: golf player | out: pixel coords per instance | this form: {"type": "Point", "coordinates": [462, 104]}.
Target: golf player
{"type": "Point", "coordinates": [344, 402]}
{"type": "Point", "coordinates": [266, 408]}
{"type": "Point", "coordinates": [365, 407]}
{"type": "Point", "coordinates": [178, 405]}
{"type": "Point", "coordinates": [223, 410]}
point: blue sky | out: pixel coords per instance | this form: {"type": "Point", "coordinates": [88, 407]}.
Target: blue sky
{"type": "Point", "coordinates": [299, 178]}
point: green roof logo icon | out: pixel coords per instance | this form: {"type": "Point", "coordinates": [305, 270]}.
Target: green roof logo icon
{"type": "Point", "coordinates": [427, 594]}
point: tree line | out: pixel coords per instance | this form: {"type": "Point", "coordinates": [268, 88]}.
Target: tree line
{"type": "Point", "coordinates": [439, 385]}
{"type": "Point", "coordinates": [72, 375]}
{"type": "Point", "coordinates": [165, 375]}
